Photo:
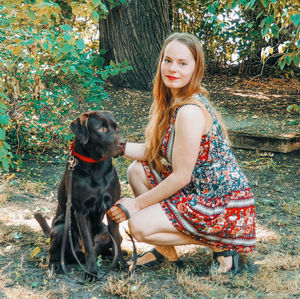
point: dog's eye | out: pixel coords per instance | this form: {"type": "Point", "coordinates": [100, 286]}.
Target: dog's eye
{"type": "Point", "coordinates": [102, 129]}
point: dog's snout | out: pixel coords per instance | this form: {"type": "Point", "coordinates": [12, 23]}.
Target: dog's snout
{"type": "Point", "coordinates": [122, 142]}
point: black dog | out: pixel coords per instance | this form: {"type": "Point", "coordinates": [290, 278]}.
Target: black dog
{"type": "Point", "coordinates": [95, 188]}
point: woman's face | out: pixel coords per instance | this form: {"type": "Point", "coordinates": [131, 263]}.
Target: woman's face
{"type": "Point", "coordinates": [177, 66]}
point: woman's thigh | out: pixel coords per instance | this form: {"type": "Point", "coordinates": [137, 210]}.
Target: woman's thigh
{"type": "Point", "coordinates": [137, 178]}
{"type": "Point", "coordinates": [151, 225]}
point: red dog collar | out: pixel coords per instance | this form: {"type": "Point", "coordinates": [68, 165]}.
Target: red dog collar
{"type": "Point", "coordinates": [83, 158]}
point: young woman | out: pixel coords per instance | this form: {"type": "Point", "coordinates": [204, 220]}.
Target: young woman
{"type": "Point", "coordinates": [188, 186]}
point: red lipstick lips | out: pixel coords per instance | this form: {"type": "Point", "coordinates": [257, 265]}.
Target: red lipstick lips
{"type": "Point", "coordinates": [172, 78]}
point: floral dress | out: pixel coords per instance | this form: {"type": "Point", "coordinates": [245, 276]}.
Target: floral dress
{"type": "Point", "coordinates": [217, 206]}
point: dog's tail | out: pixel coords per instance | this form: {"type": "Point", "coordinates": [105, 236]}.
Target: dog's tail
{"type": "Point", "coordinates": [43, 223]}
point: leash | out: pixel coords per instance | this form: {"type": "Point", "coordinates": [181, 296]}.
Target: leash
{"type": "Point", "coordinates": [134, 258]}
{"type": "Point", "coordinates": [67, 232]}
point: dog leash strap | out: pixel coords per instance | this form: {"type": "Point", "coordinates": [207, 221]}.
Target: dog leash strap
{"type": "Point", "coordinates": [67, 223]}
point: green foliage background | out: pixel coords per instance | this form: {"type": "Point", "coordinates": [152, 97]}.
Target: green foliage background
{"type": "Point", "coordinates": [259, 31]}
{"type": "Point", "coordinates": [47, 69]}
{"type": "Point", "coordinates": [51, 64]}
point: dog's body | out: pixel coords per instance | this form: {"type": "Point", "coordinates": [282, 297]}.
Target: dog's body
{"type": "Point", "coordinates": [95, 188]}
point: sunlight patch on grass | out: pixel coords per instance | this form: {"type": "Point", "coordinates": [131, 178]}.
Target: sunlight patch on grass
{"type": "Point", "coordinates": [280, 285]}
{"type": "Point", "coordinates": [202, 286]}
{"type": "Point", "coordinates": [277, 261]}
{"type": "Point", "coordinates": [265, 234]}
{"type": "Point", "coordinates": [126, 286]}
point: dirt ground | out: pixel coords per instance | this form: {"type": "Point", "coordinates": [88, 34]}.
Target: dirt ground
{"type": "Point", "coordinates": [272, 271]}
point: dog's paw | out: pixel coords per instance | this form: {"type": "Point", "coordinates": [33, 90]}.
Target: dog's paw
{"type": "Point", "coordinates": [56, 267]}
{"type": "Point", "coordinates": [121, 265]}
{"type": "Point", "coordinates": [91, 277]}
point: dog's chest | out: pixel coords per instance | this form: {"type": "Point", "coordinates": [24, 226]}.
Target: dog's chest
{"type": "Point", "coordinates": [91, 191]}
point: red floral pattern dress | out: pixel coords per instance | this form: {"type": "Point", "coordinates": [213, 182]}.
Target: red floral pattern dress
{"type": "Point", "coordinates": [217, 206]}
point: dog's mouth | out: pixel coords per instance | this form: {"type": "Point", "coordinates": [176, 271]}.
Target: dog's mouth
{"type": "Point", "coordinates": [121, 151]}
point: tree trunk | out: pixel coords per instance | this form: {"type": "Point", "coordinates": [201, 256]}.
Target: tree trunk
{"type": "Point", "coordinates": [135, 31]}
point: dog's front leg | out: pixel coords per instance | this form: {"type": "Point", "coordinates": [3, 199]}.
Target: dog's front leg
{"type": "Point", "coordinates": [90, 256]}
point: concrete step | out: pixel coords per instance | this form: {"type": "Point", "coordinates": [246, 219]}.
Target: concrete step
{"type": "Point", "coordinates": [276, 133]}
{"type": "Point", "coordinates": [283, 143]}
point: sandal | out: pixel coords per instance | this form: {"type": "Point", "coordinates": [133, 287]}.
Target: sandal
{"type": "Point", "coordinates": [159, 260]}
{"type": "Point", "coordinates": [235, 259]}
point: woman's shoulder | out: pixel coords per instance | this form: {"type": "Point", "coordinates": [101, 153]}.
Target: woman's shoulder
{"type": "Point", "coordinates": [190, 111]}
{"type": "Point", "coordinates": [195, 103]}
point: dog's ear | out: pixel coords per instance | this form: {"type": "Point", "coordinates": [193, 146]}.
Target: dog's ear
{"type": "Point", "coordinates": [80, 129]}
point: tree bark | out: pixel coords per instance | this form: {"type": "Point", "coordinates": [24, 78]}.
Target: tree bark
{"type": "Point", "coordinates": [135, 31]}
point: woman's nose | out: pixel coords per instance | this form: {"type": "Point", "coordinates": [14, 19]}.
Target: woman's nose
{"type": "Point", "coordinates": [173, 67]}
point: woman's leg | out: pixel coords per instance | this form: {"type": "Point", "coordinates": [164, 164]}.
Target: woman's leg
{"type": "Point", "coordinates": [159, 232]}
{"type": "Point", "coordinates": [151, 225]}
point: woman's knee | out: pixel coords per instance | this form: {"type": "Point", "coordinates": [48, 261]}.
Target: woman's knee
{"type": "Point", "coordinates": [134, 170]}
{"type": "Point", "coordinates": [136, 231]}
{"type": "Point", "coordinates": [137, 178]}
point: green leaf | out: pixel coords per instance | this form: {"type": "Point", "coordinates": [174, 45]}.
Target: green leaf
{"type": "Point", "coordinates": [293, 107]}
{"type": "Point", "coordinates": [259, 15]}
{"type": "Point", "coordinates": [295, 19]}
{"type": "Point", "coordinates": [281, 63]}
{"type": "Point", "coordinates": [297, 60]}
{"type": "Point", "coordinates": [104, 8]}
{"type": "Point", "coordinates": [45, 46]}
{"type": "Point", "coordinates": [96, 2]}
{"type": "Point", "coordinates": [31, 15]}
{"type": "Point", "coordinates": [288, 59]}
{"type": "Point", "coordinates": [34, 284]}
{"type": "Point", "coordinates": [4, 162]}
{"type": "Point", "coordinates": [2, 133]}
{"type": "Point", "coordinates": [3, 95]}
{"type": "Point", "coordinates": [265, 3]}
{"type": "Point", "coordinates": [80, 44]}
{"type": "Point", "coordinates": [95, 16]}
{"type": "Point", "coordinates": [274, 30]}
{"type": "Point", "coordinates": [269, 20]}
{"type": "Point", "coordinates": [30, 60]}
{"type": "Point", "coordinates": [4, 120]}
{"type": "Point", "coordinates": [211, 8]}
{"type": "Point", "coordinates": [67, 37]}
{"type": "Point", "coordinates": [253, 3]}
{"type": "Point", "coordinates": [265, 31]}
{"type": "Point", "coordinates": [66, 27]}
{"type": "Point", "coordinates": [67, 48]}
{"type": "Point", "coordinates": [72, 68]}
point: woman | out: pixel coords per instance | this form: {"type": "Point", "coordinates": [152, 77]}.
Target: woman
{"type": "Point", "coordinates": [188, 186]}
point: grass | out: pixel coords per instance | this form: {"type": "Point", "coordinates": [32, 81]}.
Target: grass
{"type": "Point", "coordinates": [272, 271]}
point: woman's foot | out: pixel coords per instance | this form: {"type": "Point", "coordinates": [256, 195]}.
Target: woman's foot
{"type": "Point", "coordinates": [156, 256]}
{"type": "Point", "coordinates": [227, 261]}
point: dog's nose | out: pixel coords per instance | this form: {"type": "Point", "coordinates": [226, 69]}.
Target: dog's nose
{"type": "Point", "coordinates": [122, 142]}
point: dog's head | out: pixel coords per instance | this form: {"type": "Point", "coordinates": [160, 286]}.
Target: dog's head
{"type": "Point", "coordinates": [97, 133]}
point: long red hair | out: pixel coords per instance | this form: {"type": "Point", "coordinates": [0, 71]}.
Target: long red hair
{"type": "Point", "coordinates": [164, 104]}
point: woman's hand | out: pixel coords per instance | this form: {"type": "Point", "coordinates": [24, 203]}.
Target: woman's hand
{"type": "Point", "coordinates": [117, 214]}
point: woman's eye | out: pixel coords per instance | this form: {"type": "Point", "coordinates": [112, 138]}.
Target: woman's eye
{"type": "Point", "coordinates": [102, 129]}
{"type": "Point", "coordinates": [182, 63]}
{"type": "Point", "coordinates": [166, 60]}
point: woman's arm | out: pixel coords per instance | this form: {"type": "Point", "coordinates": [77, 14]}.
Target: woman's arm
{"type": "Point", "coordinates": [190, 124]}
{"type": "Point", "coordinates": [135, 151]}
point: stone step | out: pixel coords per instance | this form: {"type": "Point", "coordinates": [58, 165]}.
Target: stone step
{"type": "Point", "coordinates": [283, 143]}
